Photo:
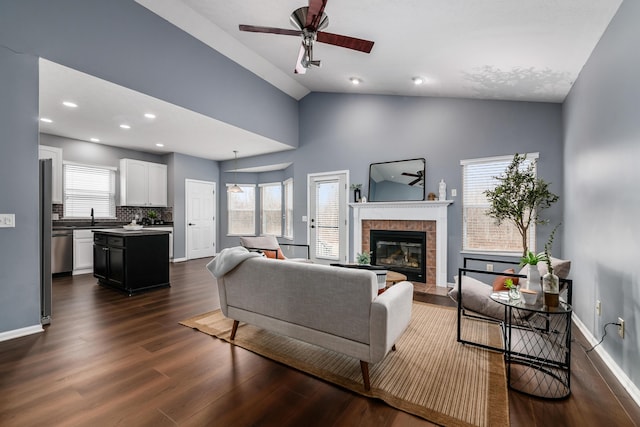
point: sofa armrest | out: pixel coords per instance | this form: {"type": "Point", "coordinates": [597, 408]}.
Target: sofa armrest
{"type": "Point", "coordinates": [390, 316]}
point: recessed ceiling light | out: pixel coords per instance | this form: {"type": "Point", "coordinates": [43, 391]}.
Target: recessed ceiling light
{"type": "Point", "coordinates": [123, 126]}
{"type": "Point", "coordinates": [417, 80]}
{"type": "Point", "coordinates": [150, 115]}
{"type": "Point", "coordinates": [159, 145]}
{"type": "Point", "coordinates": [94, 140]}
{"type": "Point", "coordinates": [355, 80]}
{"type": "Point", "coordinates": [46, 120]}
{"type": "Point", "coordinates": [70, 104]}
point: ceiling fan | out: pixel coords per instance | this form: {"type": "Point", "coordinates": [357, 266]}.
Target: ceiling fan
{"type": "Point", "coordinates": [308, 21]}
{"type": "Point", "coordinates": [419, 175]}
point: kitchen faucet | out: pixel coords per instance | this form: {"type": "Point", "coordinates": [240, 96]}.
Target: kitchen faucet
{"type": "Point", "coordinates": [93, 220]}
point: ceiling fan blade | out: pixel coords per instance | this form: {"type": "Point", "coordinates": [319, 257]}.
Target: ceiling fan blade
{"type": "Point", "coordinates": [410, 174]}
{"type": "Point", "coordinates": [415, 181]}
{"type": "Point", "coordinates": [345, 41]}
{"type": "Point", "coordinates": [270, 30]}
{"type": "Point", "coordinates": [314, 13]}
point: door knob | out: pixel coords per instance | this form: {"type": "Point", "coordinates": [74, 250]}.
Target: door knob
{"type": "Point", "coordinates": [190, 224]}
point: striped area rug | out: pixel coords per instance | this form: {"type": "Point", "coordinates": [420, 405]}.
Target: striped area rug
{"type": "Point", "coordinates": [430, 375]}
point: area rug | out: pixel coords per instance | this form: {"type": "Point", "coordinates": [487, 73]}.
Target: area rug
{"type": "Point", "coordinates": [430, 375]}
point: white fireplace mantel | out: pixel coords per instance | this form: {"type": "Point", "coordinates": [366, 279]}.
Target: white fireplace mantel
{"type": "Point", "coordinates": [417, 211]}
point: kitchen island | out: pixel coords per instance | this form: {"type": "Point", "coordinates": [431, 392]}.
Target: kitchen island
{"type": "Point", "coordinates": [131, 261]}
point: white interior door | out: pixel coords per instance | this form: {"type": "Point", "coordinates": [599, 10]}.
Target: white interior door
{"type": "Point", "coordinates": [200, 217]}
{"type": "Point", "coordinates": [327, 220]}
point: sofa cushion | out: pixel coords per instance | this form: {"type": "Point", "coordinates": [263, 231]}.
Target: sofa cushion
{"type": "Point", "coordinates": [476, 297]}
{"type": "Point", "coordinates": [260, 242]}
{"type": "Point", "coordinates": [499, 283]}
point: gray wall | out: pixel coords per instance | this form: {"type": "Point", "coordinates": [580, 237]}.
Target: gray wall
{"type": "Point", "coordinates": [122, 42]}
{"type": "Point", "coordinates": [602, 202]}
{"type": "Point", "coordinates": [184, 167]}
{"type": "Point", "coordinates": [348, 132]}
{"type": "Point", "coordinates": [19, 246]}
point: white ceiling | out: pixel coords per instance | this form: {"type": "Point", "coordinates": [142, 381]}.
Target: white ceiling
{"type": "Point", "coordinates": [529, 50]}
{"type": "Point", "coordinates": [491, 49]}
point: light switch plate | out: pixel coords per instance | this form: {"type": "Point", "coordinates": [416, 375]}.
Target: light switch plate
{"type": "Point", "coordinates": [7, 220]}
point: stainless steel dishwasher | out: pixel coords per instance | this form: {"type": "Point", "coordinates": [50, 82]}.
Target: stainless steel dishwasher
{"type": "Point", "coordinates": [61, 251]}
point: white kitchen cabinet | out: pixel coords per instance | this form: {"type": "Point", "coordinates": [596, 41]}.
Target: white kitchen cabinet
{"type": "Point", "coordinates": [55, 154]}
{"type": "Point", "coordinates": [82, 251]}
{"type": "Point", "coordinates": [142, 183]}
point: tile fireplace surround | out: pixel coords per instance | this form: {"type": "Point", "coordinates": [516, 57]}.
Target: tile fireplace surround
{"type": "Point", "coordinates": [428, 216]}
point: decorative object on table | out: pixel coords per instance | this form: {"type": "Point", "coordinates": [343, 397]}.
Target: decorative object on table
{"type": "Point", "coordinates": [520, 197]}
{"type": "Point", "coordinates": [431, 196]}
{"type": "Point", "coordinates": [514, 291]}
{"type": "Point", "coordinates": [534, 281]}
{"type": "Point", "coordinates": [550, 282]}
{"type": "Point", "coordinates": [363, 258]}
{"type": "Point", "coordinates": [530, 297]}
{"type": "Point", "coordinates": [363, 200]}
{"type": "Point", "coordinates": [356, 192]}
{"type": "Point", "coordinates": [442, 190]}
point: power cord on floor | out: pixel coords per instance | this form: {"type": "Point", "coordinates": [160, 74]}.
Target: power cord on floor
{"type": "Point", "coordinates": [604, 330]}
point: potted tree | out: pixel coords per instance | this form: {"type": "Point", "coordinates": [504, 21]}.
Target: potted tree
{"type": "Point", "coordinates": [520, 197]}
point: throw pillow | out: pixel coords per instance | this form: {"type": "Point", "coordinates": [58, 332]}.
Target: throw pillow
{"type": "Point", "coordinates": [274, 254]}
{"type": "Point", "coordinates": [498, 284]}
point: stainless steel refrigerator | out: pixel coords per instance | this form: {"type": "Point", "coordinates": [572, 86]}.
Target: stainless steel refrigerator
{"type": "Point", "coordinates": [45, 241]}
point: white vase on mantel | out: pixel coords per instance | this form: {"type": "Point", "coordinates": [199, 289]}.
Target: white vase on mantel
{"type": "Point", "coordinates": [533, 280]}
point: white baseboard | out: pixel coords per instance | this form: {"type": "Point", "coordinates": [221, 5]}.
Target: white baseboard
{"type": "Point", "coordinates": [17, 333]}
{"type": "Point", "coordinates": [179, 260]}
{"type": "Point", "coordinates": [628, 385]}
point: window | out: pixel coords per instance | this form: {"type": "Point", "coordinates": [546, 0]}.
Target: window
{"type": "Point", "coordinates": [480, 232]}
{"type": "Point", "coordinates": [271, 209]}
{"type": "Point", "coordinates": [89, 187]}
{"type": "Point", "coordinates": [241, 211]}
{"type": "Point", "coordinates": [288, 208]}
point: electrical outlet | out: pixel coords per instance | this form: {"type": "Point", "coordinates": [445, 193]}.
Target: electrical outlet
{"type": "Point", "coordinates": [598, 308]}
{"type": "Point", "coordinates": [454, 192]}
{"type": "Point", "coordinates": [489, 267]}
{"type": "Point", "coordinates": [621, 327]}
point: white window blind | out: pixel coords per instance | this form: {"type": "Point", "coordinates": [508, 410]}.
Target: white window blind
{"type": "Point", "coordinates": [87, 187]}
{"type": "Point", "coordinates": [328, 219]}
{"type": "Point", "coordinates": [480, 232]}
{"type": "Point", "coordinates": [241, 209]}
{"type": "Point", "coordinates": [288, 208]}
{"type": "Point", "coordinates": [271, 209]}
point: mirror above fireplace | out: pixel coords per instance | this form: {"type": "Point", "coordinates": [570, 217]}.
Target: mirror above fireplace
{"type": "Point", "coordinates": [401, 180]}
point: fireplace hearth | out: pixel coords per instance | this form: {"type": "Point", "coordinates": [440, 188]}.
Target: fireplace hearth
{"type": "Point", "coordinates": [400, 251]}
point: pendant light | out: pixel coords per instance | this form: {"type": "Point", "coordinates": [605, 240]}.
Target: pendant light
{"type": "Point", "coordinates": [235, 188]}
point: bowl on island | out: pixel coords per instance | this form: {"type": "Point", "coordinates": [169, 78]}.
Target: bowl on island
{"type": "Point", "coordinates": [130, 227]}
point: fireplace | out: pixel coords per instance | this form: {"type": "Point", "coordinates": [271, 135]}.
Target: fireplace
{"type": "Point", "coordinates": [401, 251]}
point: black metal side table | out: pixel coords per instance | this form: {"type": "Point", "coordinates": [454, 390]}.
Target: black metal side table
{"type": "Point", "coordinates": [537, 342]}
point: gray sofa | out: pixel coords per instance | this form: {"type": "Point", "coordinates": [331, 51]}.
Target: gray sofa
{"type": "Point", "coordinates": [332, 307]}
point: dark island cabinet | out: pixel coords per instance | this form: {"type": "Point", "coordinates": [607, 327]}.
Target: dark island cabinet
{"type": "Point", "coordinates": [131, 261]}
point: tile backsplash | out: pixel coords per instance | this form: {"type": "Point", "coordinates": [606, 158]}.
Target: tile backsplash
{"type": "Point", "coordinates": [125, 213]}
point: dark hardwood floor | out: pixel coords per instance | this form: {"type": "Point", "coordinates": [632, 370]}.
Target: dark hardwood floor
{"type": "Point", "coordinates": [109, 359]}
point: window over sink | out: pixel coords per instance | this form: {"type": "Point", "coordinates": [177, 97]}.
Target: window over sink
{"type": "Point", "coordinates": [89, 187]}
